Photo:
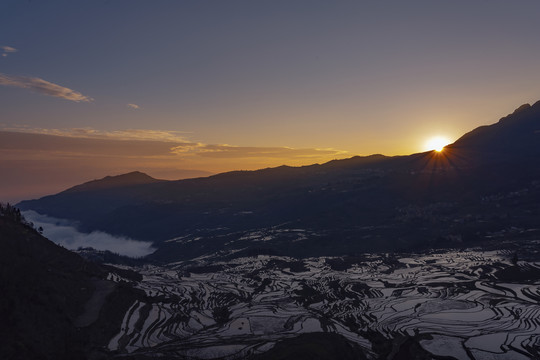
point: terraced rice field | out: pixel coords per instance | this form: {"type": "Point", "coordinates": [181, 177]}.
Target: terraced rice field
{"type": "Point", "coordinates": [464, 304]}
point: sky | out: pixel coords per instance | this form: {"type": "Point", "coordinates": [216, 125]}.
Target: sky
{"type": "Point", "coordinates": [189, 88]}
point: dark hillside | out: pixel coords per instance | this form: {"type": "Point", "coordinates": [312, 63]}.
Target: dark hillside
{"type": "Point", "coordinates": [45, 289]}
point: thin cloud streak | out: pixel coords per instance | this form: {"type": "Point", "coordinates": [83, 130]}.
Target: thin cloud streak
{"type": "Point", "coordinates": [90, 133]}
{"type": "Point", "coordinates": [234, 152]}
{"type": "Point", "coordinates": [43, 87]}
{"type": "Point", "coordinates": [169, 144]}
{"type": "Point", "coordinates": [7, 50]}
{"type": "Point", "coordinates": [165, 144]}
{"type": "Point", "coordinates": [134, 106]}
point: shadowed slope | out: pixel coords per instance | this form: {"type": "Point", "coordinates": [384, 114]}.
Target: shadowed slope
{"type": "Point", "coordinates": [45, 291]}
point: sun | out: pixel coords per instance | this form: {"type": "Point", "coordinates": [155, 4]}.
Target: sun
{"type": "Point", "coordinates": [436, 143]}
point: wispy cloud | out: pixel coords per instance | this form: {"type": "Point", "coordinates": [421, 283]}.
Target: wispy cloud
{"type": "Point", "coordinates": [236, 152]}
{"type": "Point", "coordinates": [133, 106]}
{"type": "Point", "coordinates": [128, 134]}
{"type": "Point", "coordinates": [176, 144]}
{"type": "Point", "coordinates": [8, 49]}
{"type": "Point", "coordinates": [43, 87]}
{"type": "Point", "coordinates": [5, 50]}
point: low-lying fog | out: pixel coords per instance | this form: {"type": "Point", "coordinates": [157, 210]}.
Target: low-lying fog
{"type": "Point", "coordinates": [63, 232]}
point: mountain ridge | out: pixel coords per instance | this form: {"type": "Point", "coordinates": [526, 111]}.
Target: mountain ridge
{"type": "Point", "coordinates": [346, 206]}
{"type": "Point", "coordinates": [127, 179]}
{"type": "Point", "coordinates": [516, 132]}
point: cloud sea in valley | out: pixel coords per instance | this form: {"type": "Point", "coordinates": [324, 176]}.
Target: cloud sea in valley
{"type": "Point", "coordinates": [64, 232]}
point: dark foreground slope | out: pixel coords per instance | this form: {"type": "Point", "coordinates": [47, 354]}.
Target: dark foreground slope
{"type": "Point", "coordinates": [54, 304]}
{"type": "Point", "coordinates": [328, 346]}
{"type": "Point", "coordinates": [485, 184]}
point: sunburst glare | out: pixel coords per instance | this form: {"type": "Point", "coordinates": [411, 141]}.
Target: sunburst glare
{"type": "Point", "coordinates": [436, 143]}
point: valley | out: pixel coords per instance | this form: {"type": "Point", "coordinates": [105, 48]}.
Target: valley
{"type": "Point", "coordinates": [467, 304]}
{"type": "Point", "coordinates": [427, 256]}
{"type": "Point", "coordinates": [269, 180]}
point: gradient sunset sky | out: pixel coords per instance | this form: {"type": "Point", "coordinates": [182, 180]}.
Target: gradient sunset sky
{"type": "Point", "coordinates": [187, 88]}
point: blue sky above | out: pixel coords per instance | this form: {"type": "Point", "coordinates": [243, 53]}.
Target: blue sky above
{"type": "Point", "coordinates": [358, 77]}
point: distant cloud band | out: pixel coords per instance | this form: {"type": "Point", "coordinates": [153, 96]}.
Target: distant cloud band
{"type": "Point", "coordinates": [235, 152]}
{"type": "Point", "coordinates": [43, 87]}
{"type": "Point", "coordinates": [176, 145]}
{"type": "Point", "coordinates": [129, 134]}
{"type": "Point", "coordinates": [5, 50]}
{"type": "Point", "coordinates": [133, 106]}
{"type": "Point", "coordinates": [8, 49]}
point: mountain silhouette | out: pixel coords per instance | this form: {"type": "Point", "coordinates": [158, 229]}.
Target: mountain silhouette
{"type": "Point", "coordinates": [474, 188]}
{"type": "Point", "coordinates": [514, 136]}
{"type": "Point", "coordinates": [109, 182]}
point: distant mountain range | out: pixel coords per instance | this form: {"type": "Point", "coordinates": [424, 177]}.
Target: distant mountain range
{"type": "Point", "coordinates": [483, 187]}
